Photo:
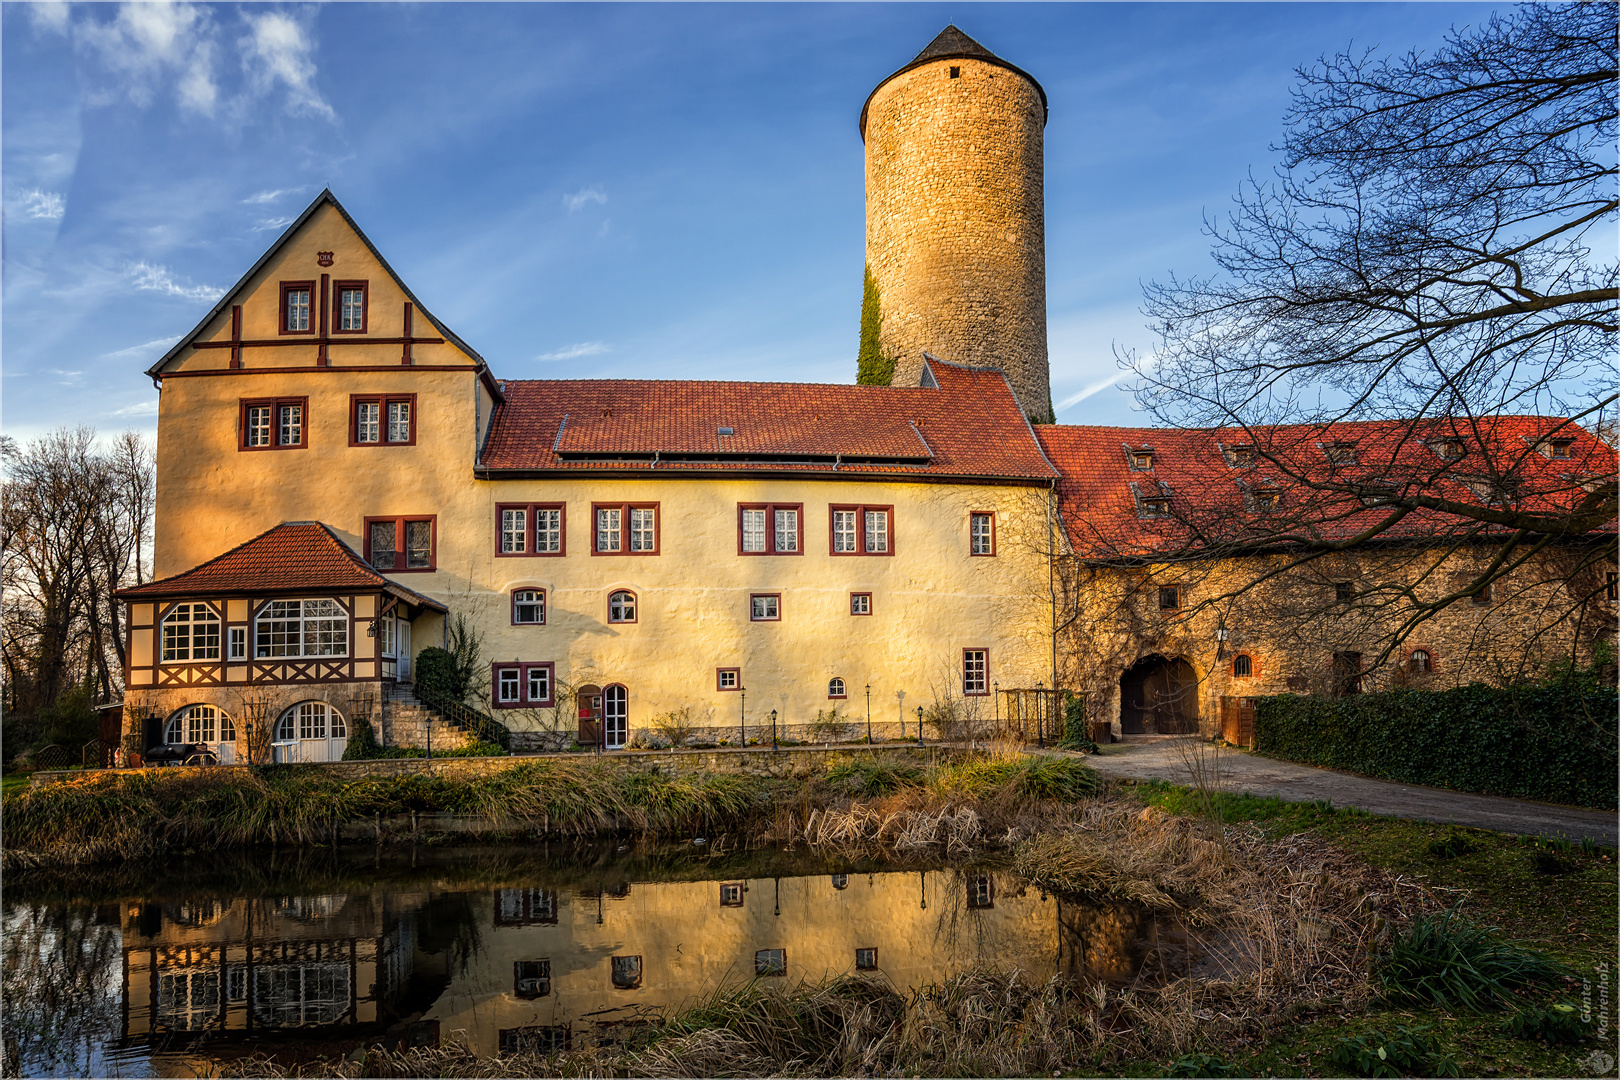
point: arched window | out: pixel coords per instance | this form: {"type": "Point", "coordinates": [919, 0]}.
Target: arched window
{"type": "Point", "coordinates": [1242, 666]}
{"type": "Point", "coordinates": [301, 628]}
{"type": "Point", "coordinates": [311, 720]}
{"type": "Point", "coordinates": [190, 632]}
{"type": "Point", "coordinates": [835, 688]}
{"type": "Point", "coordinates": [622, 607]}
{"type": "Point", "coordinates": [529, 607]}
{"type": "Point", "coordinates": [199, 724]}
{"type": "Point", "coordinates": [1421, 661]}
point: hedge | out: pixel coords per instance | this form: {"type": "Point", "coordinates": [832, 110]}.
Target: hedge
{"type": "Point", "coordinates": [1555, 744]}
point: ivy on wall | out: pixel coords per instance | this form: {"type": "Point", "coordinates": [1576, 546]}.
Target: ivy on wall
{"type": "Point", "coordinates": [1554, 743]}
{"type": "Point", "coordinates": [875, 364]}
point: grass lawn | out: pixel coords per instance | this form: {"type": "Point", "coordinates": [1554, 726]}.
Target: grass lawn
{"type": "Point", "coordinates": [17, 782]}
{"type": "Point", "coordinates": [1570, 915]}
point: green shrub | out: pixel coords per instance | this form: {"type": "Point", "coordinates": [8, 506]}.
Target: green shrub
{"type": "Point", "coordinates": [1404, 1051]}
{"type": "Point", "coordinates": [1202, 1065]}
{"type": "Point", "coordinates": [866, 778]}
{"type": "Point", "coordinates": [874, 365]}
{"type": "Point", "coordinates": [1558, 1024]}
{"type": "Point", "coordinates": [1027, 776]}
{"type": "Point", "coordinates": [363, 744]}
{"type": "Point", "coordinates": [1450, 962]}
{"type": "Point", "coordinates": [1552, 743]}
{"type": "Point", "coordinates": [436, 674]}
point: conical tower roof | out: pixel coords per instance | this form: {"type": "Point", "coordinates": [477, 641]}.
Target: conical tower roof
{"type": "Point", "coordinates": [951, 44]}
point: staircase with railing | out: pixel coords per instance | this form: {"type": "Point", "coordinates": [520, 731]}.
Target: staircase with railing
{"type": "Point", "coordinates": [457, 715]}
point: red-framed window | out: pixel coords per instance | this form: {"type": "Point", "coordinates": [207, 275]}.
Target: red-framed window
{"type": "Point", "coordinates": [975, 672]}
{"type": "Point", "coordinates": [623, 607]}
{"type": "Point", "coordinates": [765, 607]}
{"type": "Point", "coordinates": [837, 688]}
{"type": "Point", "coordinates": [523, 685]}
{"type": "Point", "coordinates": [982, 533]}
{"type": "Point", "coordinates": [728, 678]}
{"type": "Point", "coordinates": [531, 529]}
{"type": "Point", "coordinates": [349, 301]}
{"type": "Point", "coordinates": [860, 530]}
{"type": "Point", "coordinates": [1244, 667]}
{"type": "Point", "coordinates": [382, 419]}
{"type": "Point", "coordinates": [731, 894]}
{"type": "Point", "coordinates": [528, 607]}
{"type": "Point", "coordinates": [402, 545]}
{"type": "Point", "coordinates": [298, 314]}
{"type": "Point", "coordinates": [273, 424]}
{"type": "Point", "coordinates": [624, 528]}
{"type": "Point", "coordinates": [860, 603]}
{"type": "Point", "coordinates": [770, 528]}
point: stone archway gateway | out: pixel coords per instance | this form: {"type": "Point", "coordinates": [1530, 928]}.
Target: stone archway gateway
{"type": "Point", "coordinates": [1159, 696]}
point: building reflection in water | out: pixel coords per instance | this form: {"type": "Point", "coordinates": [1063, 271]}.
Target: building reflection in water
{"type": "Point", "coordinates": [536, 967]}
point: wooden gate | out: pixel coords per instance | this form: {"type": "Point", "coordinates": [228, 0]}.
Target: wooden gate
{"type": "Point", "coordinates": [1237, 720]}
{"type": "Point", "coordinates": [1030, 715]}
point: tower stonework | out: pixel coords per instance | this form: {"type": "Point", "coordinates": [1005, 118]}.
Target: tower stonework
{"type": "Point", "coordinates": [955, 215]}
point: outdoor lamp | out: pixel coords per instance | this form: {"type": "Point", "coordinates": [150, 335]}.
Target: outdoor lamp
{"type": "Point", "coordinates": [773, 729]}
{"type": "Point", "coordinates": [868, 714]}
{"type": "Point", "coordinates": [919, 725]}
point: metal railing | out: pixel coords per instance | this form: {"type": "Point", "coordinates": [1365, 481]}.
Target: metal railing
{"type": "Point", "coordinates": [468, 719]}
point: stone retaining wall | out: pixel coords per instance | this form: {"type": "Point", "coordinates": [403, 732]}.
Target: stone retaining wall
{"type": "Point", "coordinates": [798, 761]}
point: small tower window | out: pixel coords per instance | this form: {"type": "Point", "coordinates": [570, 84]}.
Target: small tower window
{"type": "Point", "coordinates": [1242, 667]}
{"type": "Point", "coordinates": [956, 73]}
{"type": "Point", "coordinates": [1421, 661]}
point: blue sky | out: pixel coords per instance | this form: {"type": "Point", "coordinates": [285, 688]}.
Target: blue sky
{"type": "Point", "coordinates": [616, 190]}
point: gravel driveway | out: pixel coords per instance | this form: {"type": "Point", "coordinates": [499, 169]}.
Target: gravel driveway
{"type": "Point", "coordinates": [1243, 771]}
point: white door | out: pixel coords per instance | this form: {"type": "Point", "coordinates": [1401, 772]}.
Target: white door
{"type": "Point", "coordinates": [616, 716]}
{"type": "Point", "coordinates": [311, 731]}
{"type": "Point", "coordinates": [402, 648]}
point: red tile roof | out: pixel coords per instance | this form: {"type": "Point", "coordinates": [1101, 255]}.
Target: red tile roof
{"type": "Point", "coordinates": [295, 556]}
{"type": "Point", "coordinates": [966, 425]}
{"type": "Point", "coordinates": [1212, 500]}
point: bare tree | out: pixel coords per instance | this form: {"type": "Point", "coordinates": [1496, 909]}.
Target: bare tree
{"type": "Point", "coordinates": [1435, 256]}
{"type": "Point", "coordinates": [76, 521]}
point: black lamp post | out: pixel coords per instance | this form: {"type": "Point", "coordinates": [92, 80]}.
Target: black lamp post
{"type": "Point", "coordinates": [919, 725]}
{"type": "Point", "coordinates": [773, 729]}
{"type": "Point", "coordinates": [868, 714]}
{"type": "Point", "coordinates": [742, 718]}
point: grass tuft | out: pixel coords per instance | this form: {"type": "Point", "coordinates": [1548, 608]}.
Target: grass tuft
{"type": "Point", "coordinates": [1446, 960]}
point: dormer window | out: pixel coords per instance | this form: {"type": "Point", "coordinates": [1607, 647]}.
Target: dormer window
{"type": "Point", "coordinates": [1239, 457]}
{"type": "Point", "coordinates": [1266, 499]}
{"type": "Point", "coordinates": [1156, 508]}
{"type": "Point", "coordinates": [1340, 453]}
{"type": "Point", "coordinates": [1447, 449]}
{"type": "Point", "coordinates": [1375, 494]}
{"type": "Point", "coordinates": [1139, 458]}
{"type": "Point", "coordinates": [1560, 448]}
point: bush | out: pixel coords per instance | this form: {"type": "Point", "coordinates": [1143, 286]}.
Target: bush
{"type": "Point", "coordinates": [1453, 845]}
{"type": "Point", "coordinates": [436, 674]}
{"type": "Point", "coordinates": [1027, 776]}
{"type": "Point", "coordinates": [1202, 1065]}
{"type": "Point", "coordinates": [1558, 1024]}
{"type": "Point", "coordinates": [1447, 961]}
{"type": "Point", "coordinates": [363, 744]}
{"type": "Point", "coordinates": [866, 778]}
{"type": "Point", "coordinates": [1551, 743]}
{"type": "Point", "coordinates": [830, 725]}
{"type": "Point", "coordinates": [1405, 1051]}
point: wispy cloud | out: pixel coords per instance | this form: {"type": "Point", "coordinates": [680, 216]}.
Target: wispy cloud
{"type": "Point", "coordinates": [592, 194]}
{"type": "Point", "coordinates": [263, 197]}
{"type": "Point", "coordinates": [278, 49]}
{"type": "Point", "coordinates": [44, 205]}
{"type": "Point", "coordinates": [67, 378]}
{"type": "Point", "coordinates": [272, 223]}
{"type": "Point", "coordinates": [574, 352]}
{"type": "Point", "coordinates": [145, 347]}
{"type": "Point", "coordinates": [155, 278]}
{"type": "Point", "coordinates": [149, 42]}
{"type": "Point", "coordinates": [50, 16]}
{"type": "Point", "coordinates": [140, 408]}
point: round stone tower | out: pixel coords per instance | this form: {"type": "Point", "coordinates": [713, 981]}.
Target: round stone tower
{"type": "Point", "coordinates": [955, 219]}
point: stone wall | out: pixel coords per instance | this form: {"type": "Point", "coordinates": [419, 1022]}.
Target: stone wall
{"type": "Point", "coordinates": [955, 222]}
{"type": "Point", "coordinates": [802, 761]}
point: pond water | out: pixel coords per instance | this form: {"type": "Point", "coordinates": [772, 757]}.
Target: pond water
{"type": "Point", "coordinates": [314, 954]}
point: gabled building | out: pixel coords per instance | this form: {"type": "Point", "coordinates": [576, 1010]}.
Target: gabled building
{"type": "Point", "coordinates": [753, 555]}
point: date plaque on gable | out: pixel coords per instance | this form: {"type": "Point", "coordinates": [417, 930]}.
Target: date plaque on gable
{"type": "Point", "coordinates": [324, 258]}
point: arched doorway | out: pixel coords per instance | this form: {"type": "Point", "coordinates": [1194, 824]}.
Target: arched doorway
{"type": "Point", "coordinates": [310, 731]}
{"type": "Point", "coordinates": [1158, 696]}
